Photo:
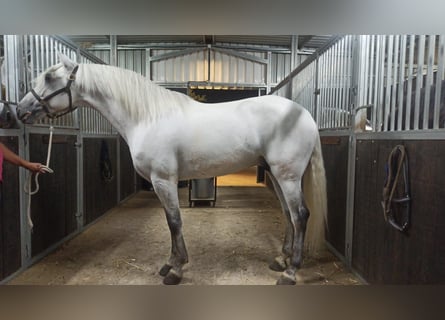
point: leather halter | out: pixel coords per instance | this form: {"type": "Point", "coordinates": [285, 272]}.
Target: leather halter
{"type": "Point", "coordinates": [67, 89]}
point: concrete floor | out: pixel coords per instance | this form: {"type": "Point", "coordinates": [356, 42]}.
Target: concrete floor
{"type": "Point", "coordinates": [232, 243]}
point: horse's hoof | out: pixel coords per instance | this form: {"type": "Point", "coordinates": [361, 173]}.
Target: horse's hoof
{"type": "Point", "coordinates": [164, 270]}
{"type": "Point", "coordinates": [172, 278]}
{"type": "Point", "coordinates": [277, 265]}
{"type": "Point", "coordinates": [285, 280]}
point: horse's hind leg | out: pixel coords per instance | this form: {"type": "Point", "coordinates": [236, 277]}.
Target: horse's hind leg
{"type": "Point", "coordinates": [298, 217]}
{"type": "Point", "coordinates": [168, 195]}
{"type": "Point", "coordinates": [280, 262]}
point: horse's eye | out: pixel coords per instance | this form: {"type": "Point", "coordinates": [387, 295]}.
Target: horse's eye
{"type": "Point", "coordinates": [48, 77]}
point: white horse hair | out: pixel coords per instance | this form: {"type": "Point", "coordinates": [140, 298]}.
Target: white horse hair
{"type": "Point", "coordinates": [171, 137]}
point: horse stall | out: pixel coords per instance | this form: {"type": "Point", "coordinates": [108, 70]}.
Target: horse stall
{"type": "Point", "coordinates": [92, 167]}
{"type": "Point", "coordinates": [376, 96]}
{"type": "Point", "coordinates": [379, 105]}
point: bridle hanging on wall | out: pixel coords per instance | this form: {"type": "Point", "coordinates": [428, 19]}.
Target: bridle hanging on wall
{"type": "Point", "coordinates": [397, 210]}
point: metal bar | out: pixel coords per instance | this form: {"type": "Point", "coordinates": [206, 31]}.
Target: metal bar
{"type": "Point", "coordinates": [380, 95]}
{"type": "Point", "coordinates": [41, 53]}
{"type": "Point", "coordinates": [377, 69]}
{"type": "Point", "coordinates": [387, 104]}
{"type": "Point", "coordinates": [338, 64]}
{"type": "Point", "coordinates": [395, 57]}
{"type": "Point", "coordinates": [269, 73]}
{"type": "Point", "coordinates": [371, 76]}
{"type": "Point", "coordinates": [113, 50]}
{"type": "Point", "coordinates": [439, 79]}
{"type": "Point", "coordinates": [402, 62]}
{"type": "Point", "coordinates": [349, 232]}
{"type": "Point", "coordinates": [294, 52]}
{"type": "Point", "coordinates": [363, 92]}
{"type": "Point", "coordinates": [403, 135]}
{"type": "Point", "coordinates": [316, 90]}
{"type": "Point", "coordinates": [341, 64]}
{"type": "Point", "coordinates": [249, 57]}
{"type": "Point", "coordinates": [409, 79]}
{"type": "Point", "coordinates": [429, 80]}
{"type": "Point", "coordinates": [175, 54]}
{"type": "Point", "coordinates": [419, 79]}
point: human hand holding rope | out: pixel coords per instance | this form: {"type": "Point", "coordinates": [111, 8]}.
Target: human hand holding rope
{"type": "Point", "coordinates": [36, 167]}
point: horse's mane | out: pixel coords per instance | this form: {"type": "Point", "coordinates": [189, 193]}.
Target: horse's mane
{"type": "Point", "coordinates": [141, 98]}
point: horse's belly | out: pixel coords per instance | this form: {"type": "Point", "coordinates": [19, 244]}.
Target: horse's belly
{"type": "Point", "coordinates": [214, 163]}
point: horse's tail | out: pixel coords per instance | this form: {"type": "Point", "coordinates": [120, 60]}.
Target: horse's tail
{"type": "Point", "coordinates": [314, 187]}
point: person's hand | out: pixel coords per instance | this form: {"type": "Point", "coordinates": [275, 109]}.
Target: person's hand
{"type": "Point", "coordinates": [35, 167]}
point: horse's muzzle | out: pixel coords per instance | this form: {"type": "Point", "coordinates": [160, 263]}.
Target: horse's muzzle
{"type": "Point", "coordinates": [23, 113]}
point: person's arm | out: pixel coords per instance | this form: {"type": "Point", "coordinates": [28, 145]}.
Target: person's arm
{"type": "Point", "coordinates": [13, 158]}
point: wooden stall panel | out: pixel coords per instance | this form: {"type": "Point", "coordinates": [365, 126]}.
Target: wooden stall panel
{"type": "Point", "coordinates": [10, 241]}
{"type": "Point", "coordinates": [100, 183]}
{"type": "Point", "coordinates": [335, 155]}
{"type": "Point", "coordinates": [381, 254]}
{"type": "Point", "coordinates": [54, 207]}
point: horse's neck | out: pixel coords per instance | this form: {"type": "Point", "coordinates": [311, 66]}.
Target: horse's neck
{"type": "Point", "coordinates": [125, 110]}
{"type": "Point", "coordinates": [112, 112]}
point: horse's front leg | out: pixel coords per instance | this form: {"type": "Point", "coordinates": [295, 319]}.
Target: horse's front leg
{"type": "Point", "coordinates": [167, 192]}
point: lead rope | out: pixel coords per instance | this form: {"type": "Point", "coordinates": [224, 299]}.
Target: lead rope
{"type": "Point", "coordinates": [28, 186]}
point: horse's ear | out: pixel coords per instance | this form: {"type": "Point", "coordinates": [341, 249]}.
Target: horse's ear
{"type": "Point", "coordinates": [67, 62]}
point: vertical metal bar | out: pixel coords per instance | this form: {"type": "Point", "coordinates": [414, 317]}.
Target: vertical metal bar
{"type": "Point", "coordinates": [348, 76]}
{"type": "Point", "coordinates": [409, 79]}
{"type": "Point", "coordinates": [294, 52]}
{"type": "Point", "coordinates": [47, 50]}
{"type": "Point", "coordinates": [364, 72]}
{"type": "Point", "coordinates": [331, 88]}
{"type": "Point", "coordinates": [326, 92]}
{"type": "Point", "coordinates": [269, 74]}
{"type": "Point", "coordinates": [419, 79]}
{"type": "Point", "coordinates": [113, 50]}
{"type": "Point", "coordinates": [439, 79]}
{"type": "Point", "coordinates": [395, 57]}
{"type": "Point", "coordinates": [377, 69]}
{"type": "Point", "coordinates": [320, 98]}
{"type": "Point", "coordinates": [42, 53]}
{"type": "Point", "coordinates": [388, 83]}
{"type": "Point", "coordinates": [371, 74]}
{"type": "Point", "coordinates": [335, 86]}
{"type": "Point", "coordinates": [429, 80]}
{"type": "Point", "coordinates": [380, 104]}
{"type": "Point", "coordinates": [315, 91]}
{"type": "Point", "coordinates": [341, 64]}
{"type": "Point", "coordinates": [52, 51]}
{"type": "Point", "coordinates": [402, 63]}
{"type": "Point", "coordinates": [37, 50]}
{"type": "Point", "coordinates": [148, 63]}
{"type": "Point", "coordinates": [349, 232]}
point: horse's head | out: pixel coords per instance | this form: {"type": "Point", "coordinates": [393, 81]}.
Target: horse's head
{"type": "Point", "coordinates": [52, 95]}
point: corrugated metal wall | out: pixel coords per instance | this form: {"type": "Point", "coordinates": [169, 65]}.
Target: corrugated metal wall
{"type": "Point", "coordinates": [224, 68]}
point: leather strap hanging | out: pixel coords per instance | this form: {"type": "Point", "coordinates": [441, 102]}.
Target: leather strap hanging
{"type": "Point", "coordinates": [397, 210]}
